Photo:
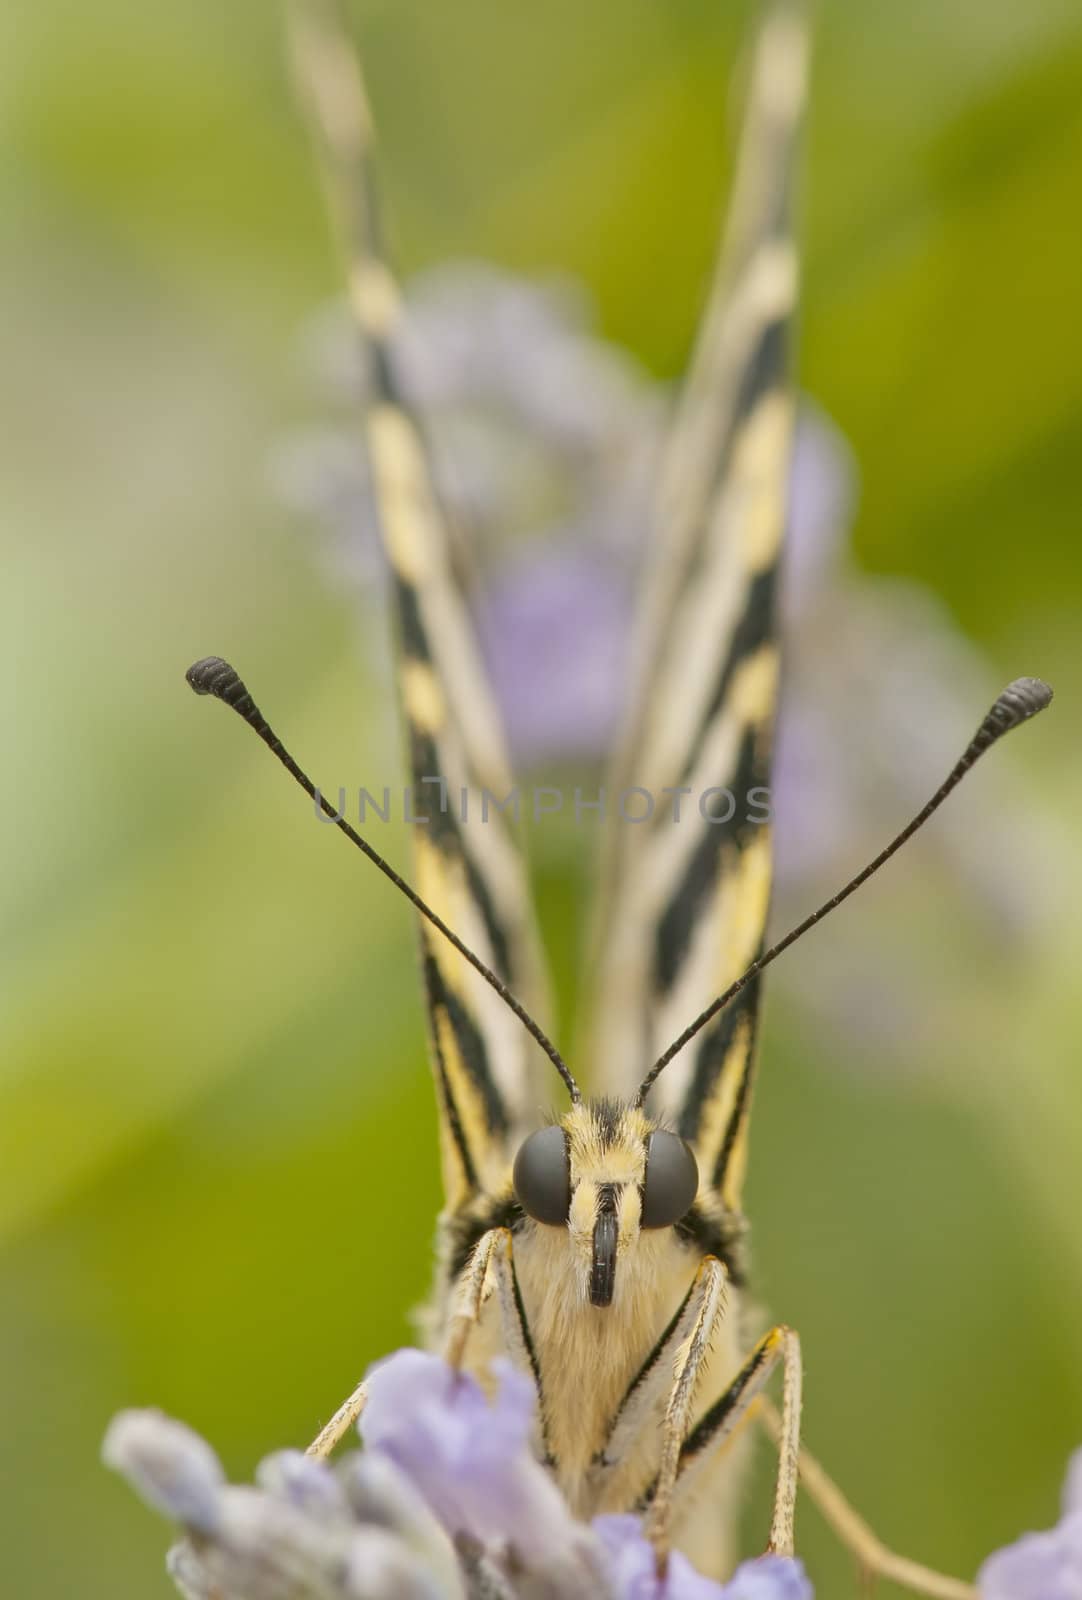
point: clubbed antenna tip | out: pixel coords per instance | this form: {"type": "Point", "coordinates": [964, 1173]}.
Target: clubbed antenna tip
{"type": "Point", "coordinates": [1019, 701]}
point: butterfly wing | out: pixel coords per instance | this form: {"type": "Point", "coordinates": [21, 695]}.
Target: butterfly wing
{"type": "Point", "coordinates": [685, 895]}
{"type": "Point", "coordinates": [472, 875]}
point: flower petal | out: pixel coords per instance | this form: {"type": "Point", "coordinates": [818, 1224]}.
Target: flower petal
{"type": "Point", "coordinates": [769, 1578]}
{"type": "Point", "coordinates": [379, 1492]}
{"type": "Point", "coordinates": [267, 1549]}
{"type": "Point", "coordinates": [472, 1461]}
{"type": "Point", "coordinates": [1039, 1566]}
{"type": "Point", "coordinates": [555, 626]}
{"type": "Point", "coordinates": [631, 1564]}
{"type": "Point", "coordinates": [306, 1483]}
{"type": "Point", "coordinates": [169, 1465]}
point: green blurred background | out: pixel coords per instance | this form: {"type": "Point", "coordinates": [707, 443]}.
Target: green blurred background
{"type": "Point", "coordinates": [217, 1140]}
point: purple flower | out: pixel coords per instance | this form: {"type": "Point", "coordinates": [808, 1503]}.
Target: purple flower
{"type": "Point", "coordinates": [769, 1578]}
{"type": "Point", "coordinates": [1042, 1566]}
{"type": "Point", "coordinates": [447, 1502]}
{"type": "Point", "coordinates": [546, 443]}
{"type": "Point", "coordinates": [536, 426]}
{"type": "Point", "coordinates": [300, 1535]}
{"type": "Point", "coordinates": [822, 498]}
{"type": "Point", "coordinates": [555, 628]}
{"type": "Point", "coordinates": [556, 618]}
{"type": "Point", "coordinates": [632, 1565]}
{"type": "Point", "coordinates": [311, 1485]}
{"type": "Point", "coordinates": [171, 1466]}
{"type": "Point", "coordinates": [632, 1570]}
{"type": "Point", "coordinates": [470, 1459]}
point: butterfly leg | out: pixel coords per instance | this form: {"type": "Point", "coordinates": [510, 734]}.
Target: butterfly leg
{"type": "Point", "coordinates": [492, 1263]}
{"type": "Point", "coordinates": [473, 1289]}
{"type": "Point", "coordinates": [331, 1434]}
{"type": "Point", "coordinates": [873, 1557]}
{"type": "Point", "coordinates": [642, 1410]}
{"type": "Point", "coordinates": [688, 1342]}
{"type": "Point", "coordinates": [733, 1407]}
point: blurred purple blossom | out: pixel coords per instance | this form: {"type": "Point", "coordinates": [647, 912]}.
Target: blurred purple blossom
{"type": "Point", "coordinates": [1042, 1566]}
{"type": "Point", "coordinates": [769, 1578]}
{"type": "Point", "coordinates": [446, 1502]}
{"type": "Point", "coordinates": [546, 442]}
{"type": "Point", "coordinates": [539, 429]}
{"type": "Point", "coordinates": [294, 1537]}
{"type": "Point", "coordinates": [554, 625]}
{"type": "Point", "coordinates": [179, 1473]}
{"type": "Point", "coordinates": [471, 1460]}
{"type": "Point", "coordinates": [633, 1571]}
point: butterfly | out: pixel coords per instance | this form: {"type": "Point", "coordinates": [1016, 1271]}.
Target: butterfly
{"type": "Point", "coordinates": [603, 1249]}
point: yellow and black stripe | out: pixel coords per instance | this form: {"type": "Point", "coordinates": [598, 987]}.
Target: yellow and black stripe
{"type": "Point", "coordinates": [472, 876]}
{"type": "Point", "coordinates": [685, 899]}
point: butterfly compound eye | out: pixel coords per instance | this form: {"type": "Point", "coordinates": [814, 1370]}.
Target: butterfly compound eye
{"type": "Point", "coordinates": [672, 1180]}
{"type": "Point", "coordinates": [542, 1176]}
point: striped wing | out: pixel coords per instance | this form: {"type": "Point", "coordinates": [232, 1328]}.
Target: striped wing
{"type": "Point", "coordinates": [472, 875]}
{"type": "Point", "coordinates": [685, 899]}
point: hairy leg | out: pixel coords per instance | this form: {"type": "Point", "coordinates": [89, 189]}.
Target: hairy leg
{"type": "Point", "coordinates": [332, 1433]}
{"type": "Point", "coordinates": [716, 1426]}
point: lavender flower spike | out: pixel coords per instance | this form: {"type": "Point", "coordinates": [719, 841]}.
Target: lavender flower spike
{"type": "Point", "coordinates": [1042, 1566]}
{"type": "Point", "coordinates": [171, 1467]}
{"type": "Point", "coordinates": [298, 1536]}
{"type": "Point", "coordinates": [447, 1502]}
{"type": "Point", "coordinates": [473, 1463]}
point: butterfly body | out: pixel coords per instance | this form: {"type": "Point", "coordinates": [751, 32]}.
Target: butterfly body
{"type": "Point", "coordinates": [587, 1356]}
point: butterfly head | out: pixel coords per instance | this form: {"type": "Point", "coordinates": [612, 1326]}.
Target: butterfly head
{"type": "Point", "coordinates": [604, 1172]}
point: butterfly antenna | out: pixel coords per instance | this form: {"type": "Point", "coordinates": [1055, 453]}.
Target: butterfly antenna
{"type": "Point", "coordinates": [216, 677]}
{"type": "Point", "coordinates": [1019, 701]}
